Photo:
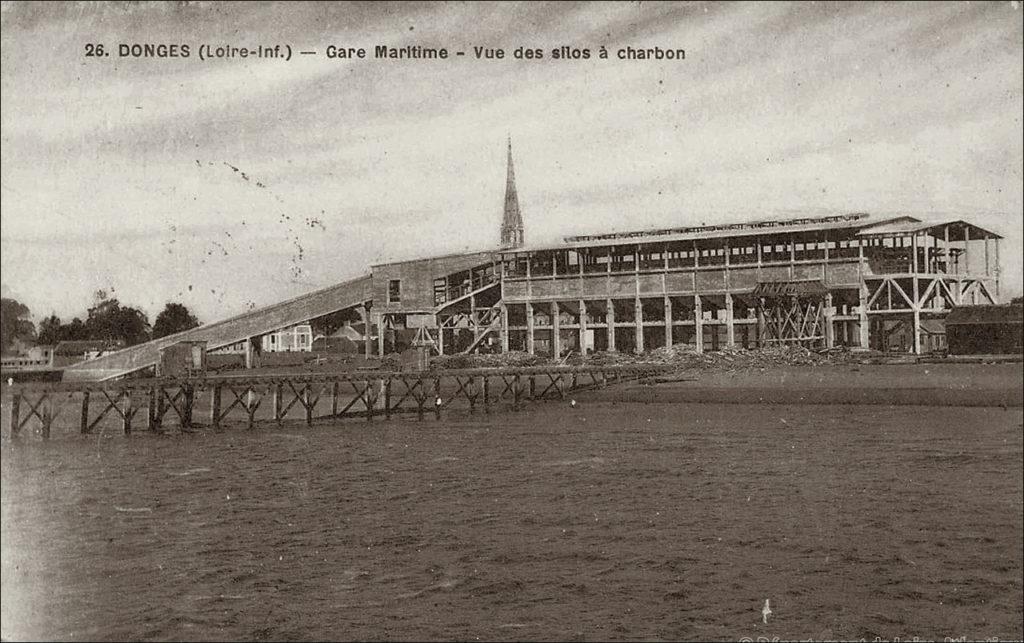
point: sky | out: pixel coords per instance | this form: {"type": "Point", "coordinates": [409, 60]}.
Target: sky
{"type": "Point", "coordinates": [227, 184]}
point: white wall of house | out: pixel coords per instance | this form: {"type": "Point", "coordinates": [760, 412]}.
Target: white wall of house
{"type": "Point", "coordinates": [295, 338]}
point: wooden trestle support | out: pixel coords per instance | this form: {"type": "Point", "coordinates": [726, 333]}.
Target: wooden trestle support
{"type": "Point", "coordinates": [307, 397]}
{"type": "Point", "coordinates": [792, 317]}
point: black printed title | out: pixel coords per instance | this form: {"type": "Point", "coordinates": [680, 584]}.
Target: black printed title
{"type": "Point", "coordinates": [208, 52]}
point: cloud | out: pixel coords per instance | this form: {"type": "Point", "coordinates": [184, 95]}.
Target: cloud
{"type": "Point", "coordinates": [777, 108]}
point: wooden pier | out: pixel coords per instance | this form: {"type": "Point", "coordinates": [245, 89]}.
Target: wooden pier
{"type": "Point", "coordinates": [215, 402]}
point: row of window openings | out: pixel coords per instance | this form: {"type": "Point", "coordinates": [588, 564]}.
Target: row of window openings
{"type": "Point", "coordinates": [849, 245]}
{"type": "Point", "coordinates": [707, 256]}
{"type": "Point", "coordinates": [300, 340]}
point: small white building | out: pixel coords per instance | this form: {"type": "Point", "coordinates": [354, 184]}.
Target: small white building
{"type": "Point", "coordinates": [291, 339]}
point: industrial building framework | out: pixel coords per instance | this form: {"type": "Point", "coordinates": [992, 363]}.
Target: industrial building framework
{"type": "Point", "coordinates": [847, 280]}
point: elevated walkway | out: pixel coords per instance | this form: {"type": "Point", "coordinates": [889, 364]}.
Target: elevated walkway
{"type": "Point", "coordinates": [228, 331]}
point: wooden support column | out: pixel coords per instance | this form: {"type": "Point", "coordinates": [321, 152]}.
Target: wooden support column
{"type": "Point", "coordinates": [638, 320]}
{"type": "Point", "coordinates": [668, 322]}
{"type": "Point", "coordinates": [127, 412]}
{"type": "Point", "coordinates": [474, 325]}
{"type": "Point", "coordinates": [945, 250]}
{"type": "Point", "coordinates": [830, 338]}
{"type": "Point", "coordinates": [556, 332]}
{"type": "Point", "coordinates": [792, 254]}
{"type": "Point", "coordinates": [250, 357]}
{"type": "Point", "coordinates": [380, 334]}
{"type": "Point", "coordinates": [504, 327]}
{"type": "Point", "coordinates": [916, 296]}
{"type": "Point", "coordinates": [250, 407]}
{"type": "Point", "coordinates": [932, 258]}
{"type": "Point", "coordinates": [998, 269]}
{"type": "Point", "coordinates": [85, 413]}
{"type": "Point", "coordinates": [530, 347]}
{"type": "Point", "coordinates": [610, 320]}
{"type": "Point", "coordinates": [913, 254]}
{"type": "Point", "coordinates": [47, 416]}
{"type": "Point", "coordinates": [825, 268]}
{"type": "Point", "coordinates": [215, 407]}
{"type": "Point", "coordinates": [863, 323]}
{"type": "Point", "coordinates": [189, 402]}
{"type": "Point", "coordinates": [370, 398]}
{"type": "Point", "coordinates": [967, 250]}
{"type": "Point", "coordinates": [151, 416]}
{"type": "Point", "coordinates": [988, 269]}
{"type": "Point", "coordinates": [583, 328]}
{"type": "Point", "coordinates": [15, 414]}
{"type": "Point", "coordinates": [276, 401]}
{"type": "Point", "coordinates": [862, 293]}
{"type": "Point", "coordinates": [917, 331]}
{"type": "Point", "coordinates": [638, 309]}
{"type": "Point", "coordinates": [698, 323]}
{"type": "Point", "coordinates": [760, 322]}
{"type": "Point", "coordinates": [730, 328]}
{"type": "Point", "coordinates": [440, 336]}
{"type": "Point", "coordinates": [161, 406]}
{"type": "Point", "coordinates": [364, 315]}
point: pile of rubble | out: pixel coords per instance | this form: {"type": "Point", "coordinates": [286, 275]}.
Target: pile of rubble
{"type": "Point", "coordinates": [681, 356]}
{"type": "Point", "coordinates": [492, 360]}
{"type": "Point", "coordinates": [685, 356]}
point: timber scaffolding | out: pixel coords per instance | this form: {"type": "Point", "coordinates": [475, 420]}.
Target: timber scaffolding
{"type": "Point", "coordinates": [307, 397]}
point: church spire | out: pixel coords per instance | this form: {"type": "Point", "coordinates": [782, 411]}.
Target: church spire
{"type": "Point", "coordinates": [512, 221]}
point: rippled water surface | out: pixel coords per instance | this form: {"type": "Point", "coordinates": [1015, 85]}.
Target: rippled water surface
{"type": "Point", "coordinates": [608, 521]}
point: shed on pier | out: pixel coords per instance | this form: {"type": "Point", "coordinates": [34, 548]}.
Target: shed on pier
{"type": "Point", "coordinates": [182, 359]}
{"type": "Point", "coordinates": [985, 330]}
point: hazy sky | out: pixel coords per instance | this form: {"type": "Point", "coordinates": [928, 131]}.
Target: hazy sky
{"type": "Point", "coordinates": [117, 172]}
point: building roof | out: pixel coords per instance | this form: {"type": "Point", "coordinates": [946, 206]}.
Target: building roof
{"type": "Point", "coordinates": [985, 314]}
{"type": "Point", "coordinates": [479, 256]}
{"type": "Point", "coordinates": [749, 228]}
{"type": "Point", "coordinates": [958, 229]}
{"type": "Point", "coordinates": [188, 342]}
{"type": "Point", "coordinates": [857, 220]}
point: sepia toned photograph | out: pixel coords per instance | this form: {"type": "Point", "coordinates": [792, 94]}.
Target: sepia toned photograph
{"type": "Point", "coordinates": [512, 321]}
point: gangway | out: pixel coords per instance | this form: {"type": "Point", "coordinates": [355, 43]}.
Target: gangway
{"type": "Point", "coordinates": [253, 323]}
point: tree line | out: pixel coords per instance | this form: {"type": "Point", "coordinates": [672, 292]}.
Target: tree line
{"type": "Point", "coordinates": [108, 320]}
